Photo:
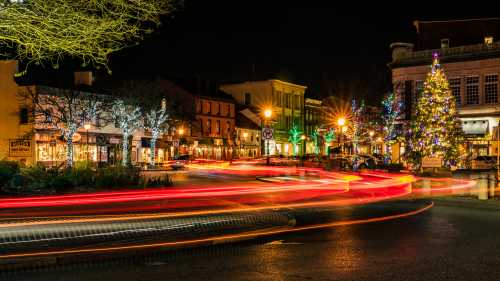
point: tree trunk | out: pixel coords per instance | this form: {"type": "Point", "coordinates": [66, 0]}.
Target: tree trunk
{"type": "Point", "coordinates": [152, 147]}
{"type": "Point", "coordinates": [69, 151]}
{"type": "Point", "coordinates": [125, 150]}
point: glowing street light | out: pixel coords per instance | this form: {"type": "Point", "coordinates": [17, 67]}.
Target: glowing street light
{"type": "Point", "coordinates": [181, 131]}
{"type": "Point", "coordinates": [341, 122]}
{"type": "Point", "coordinates": [268, 113]}
{"type": "Point", "coordinates": [245, 135]}
{"type": "Point", "coordinates": [371, 133]}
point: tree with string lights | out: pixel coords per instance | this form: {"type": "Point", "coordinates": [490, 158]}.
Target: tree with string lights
{"type": "Point", "coordinates": [392, 107]}
{"type": "Point", "coordinates": [128, 118]}
{"type": "Point", "coordinates": [436, 130]}
{"type": "Point", "coordinates": [156, 123]}
{"type": "Point", "coordinates": [66, 110]}
{"type": "Point", "coordinates": [43, 31]}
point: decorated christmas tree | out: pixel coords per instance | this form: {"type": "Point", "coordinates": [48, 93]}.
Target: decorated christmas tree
{"type": "Point", "coordinates": [436, 130]}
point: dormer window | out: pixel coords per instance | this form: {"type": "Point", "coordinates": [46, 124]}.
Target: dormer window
{"type": "Point", "coordinates": [488, 40]}
{"type": "Point", "coordinates": [445, 43]}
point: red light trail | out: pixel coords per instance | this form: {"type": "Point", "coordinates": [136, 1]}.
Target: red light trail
{"type": "Point", "coordinates": [280, 188]}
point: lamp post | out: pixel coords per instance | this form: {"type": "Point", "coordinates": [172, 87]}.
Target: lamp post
{"type": "Point", "coordinates": [303, 138]}
{"type": "Point", "coordinates": [371, 134]}
{"type": "Point", "coordinates": [245, 135]}
{"type": "Point", "coordinates": [267, 115]}
{"type": "Point", "coordinates": [498, 152]}
{"type": "Point", "coordinates": [341, 123]}
{"type": "Point", "coordinates": [87, 127]}
{"type": "Point", "coordinates": [181, 133]}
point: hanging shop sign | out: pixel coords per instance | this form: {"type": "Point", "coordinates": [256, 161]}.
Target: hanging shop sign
{"type": "Point", "coordinates": [20, 148]}
{"type": "Point", "coordinates": [100, 139]}
{"type": "Point", "coordinates": [114, 140]}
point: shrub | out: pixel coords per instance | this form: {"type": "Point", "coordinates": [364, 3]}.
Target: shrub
{"type": "Point", "coordinates": [112, 177]}
{"type": "Point", "coordinates": [393, 166]}
{"type": "Point", "coordinates": [39, 180]}
{"type": "Point", "coordinates": [7, 170]}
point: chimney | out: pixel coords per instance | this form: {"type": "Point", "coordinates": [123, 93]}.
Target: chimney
{"type": "Point", "coordinates": [84, 78]}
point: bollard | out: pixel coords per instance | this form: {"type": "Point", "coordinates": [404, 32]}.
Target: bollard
{"type": "Point", "coordinates": [482, 188]}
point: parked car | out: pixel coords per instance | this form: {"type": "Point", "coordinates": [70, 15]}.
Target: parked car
{"type": "Point", "coordinates": [180, 162]}
{"type": "Point", "coordinates": [484, 162]}
{"type": "Point", "coordinates": [366, 161]}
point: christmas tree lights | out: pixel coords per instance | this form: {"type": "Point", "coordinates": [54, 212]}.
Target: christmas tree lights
{"type": "Point", "coordinates": [436, 131]}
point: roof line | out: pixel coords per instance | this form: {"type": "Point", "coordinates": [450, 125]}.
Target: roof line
{"type": "Point", "coordinates": [460, 20]}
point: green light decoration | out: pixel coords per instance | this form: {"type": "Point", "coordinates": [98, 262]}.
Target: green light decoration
{"type": "Point", "coordinates": [43, 31]}
{"type": "Point", "coordinates": [294, 135]}
{"type": "Point", "coordinates": [436, 130]}
{"type": "Point", "coordinates": [315, 136]}
{"type": "Point", "coordinates": [330, 136]}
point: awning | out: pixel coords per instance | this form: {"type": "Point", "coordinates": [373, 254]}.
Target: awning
{"type": "Point", "coordinates": [475, 127]}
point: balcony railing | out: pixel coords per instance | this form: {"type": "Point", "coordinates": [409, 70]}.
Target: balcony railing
{"type": "Point", "coordinates": [478, 49]}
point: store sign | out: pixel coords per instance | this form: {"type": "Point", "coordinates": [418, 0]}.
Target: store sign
{"type": "Point", "coordinates": [20, 148]}
{"type": "Point", "coordinates": [114, 141]}
{"type": "Point", "coordinates": [432, 162]}
{"type": "Point", "coordinates": [218, 141]}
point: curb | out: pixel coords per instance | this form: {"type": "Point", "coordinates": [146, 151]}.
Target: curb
{"type": "Point", "coordinates": [467, 202]}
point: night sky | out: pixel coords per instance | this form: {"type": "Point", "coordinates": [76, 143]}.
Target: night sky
{"type": "Point", "coordinates": [334, 49]}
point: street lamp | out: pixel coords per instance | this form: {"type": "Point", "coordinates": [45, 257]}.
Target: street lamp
{"type": "Point", "coordinates": [303, 138]}
{"type": "Point", "coordinates": [87, 127]}
{"type": "Point", "coordinates": [341, 123]}
{"type": "Point", "coordinates": [267, 115]}
{"type": "Point", "coordinates": [371, 134]}
{"type": "Point", "coordinates": [242, 143]}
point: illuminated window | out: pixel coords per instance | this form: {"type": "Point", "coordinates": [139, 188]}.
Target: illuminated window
{"type": "Point", "coordinates": [488, 41]}
{"type": "Point", "coordinates": [278, 98]}
{"type": "Point", "coordinates": [472, 90]}
{"type": "Point", "coordinates": [248, 100]}
{"type": "Point", "coordinates": [215, 111]}
{"type": "Point", "coordinates": [455, 90]}
{"type": "Point", "coordinates": [491, 88]}
{"type": "Point", "coordinates": [209, 126]}
{"type": "Point", "coordinates": [445, 43]}
{"type": "Point", "coordinates": [217, 126]}
{"type": "Point", "coordinates": [23, 115]}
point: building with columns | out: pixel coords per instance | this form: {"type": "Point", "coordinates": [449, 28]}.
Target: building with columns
{"type": "Point", "coordinates": [470, 56]}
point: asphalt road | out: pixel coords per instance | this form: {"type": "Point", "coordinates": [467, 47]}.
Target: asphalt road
{"type": "Point", "coordinates": [452, 241]}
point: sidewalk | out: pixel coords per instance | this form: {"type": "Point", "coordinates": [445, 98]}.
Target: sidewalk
{"type": "Point", "coordinates": [467, 202]}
